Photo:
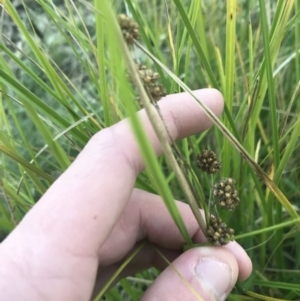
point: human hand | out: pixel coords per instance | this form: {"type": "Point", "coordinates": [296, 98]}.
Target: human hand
{"type": "Point", "coordinates": [77, 235]}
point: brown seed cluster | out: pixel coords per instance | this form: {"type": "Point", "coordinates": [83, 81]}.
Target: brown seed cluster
{"type": "Point", "coordinates": [208, 162]}
{"type": "Point", "coordinates": [130, 29]}
{"type": "Point", "coordinates": [151, 83]}
{"type": "Point", "coordinates": [226, 194]}
{"type": "Point", "coordinates": [218, 232]}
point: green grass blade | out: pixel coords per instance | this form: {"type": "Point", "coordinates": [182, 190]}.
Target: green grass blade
{"type": "Point", "coordinates": [268, 229]}
{"type": "Point", "coordinates": [118, 271]}
{"type": "Point", "coordinates": [290, 147]}
{"type": "Point", "coordinates": [25, 164]}
{"type": "Point", "coordinates": [199, 51]}
{"type": "Point", "coordinates": [297, 41]}
{"type": "Point", "coordinates": [229, 76]}
{"type": "Point", "coordinates": [271, 88]}
{"type": "Point", "coordinates": [101, 25]}
{"type": "Point", "coordinates": [275, 284]}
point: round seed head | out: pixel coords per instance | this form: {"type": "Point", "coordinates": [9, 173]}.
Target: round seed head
{"type": "Point", "coordinates": [129, 28]}
{"type": "Point", "coordinates": [226, 193]}
{"type": "Point", "coordinates": [208, 162]}
{"type": "Point", "coordinates": [217, 232]}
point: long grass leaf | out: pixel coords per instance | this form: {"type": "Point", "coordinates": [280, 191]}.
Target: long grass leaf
{"type": "Point", "coordinates": [118, 271]}
{"type": "Point", "coordinates": [229, 75]}
{"type": "Point", "coordinates": [26, 164]}
{"type": "Point", "coordinates": [270, 80]}
{"type": "Point", "coordinates": [101, 25]}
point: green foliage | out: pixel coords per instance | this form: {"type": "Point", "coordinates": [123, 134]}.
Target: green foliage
{"type": "Point", "coordinates": [63, 77]}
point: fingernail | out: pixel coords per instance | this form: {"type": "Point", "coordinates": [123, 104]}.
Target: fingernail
{"type": "Point", "coordinates": [215, 277]}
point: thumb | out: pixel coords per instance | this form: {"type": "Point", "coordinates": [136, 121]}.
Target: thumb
{"type": "Point", "coordinates": [206, 273]}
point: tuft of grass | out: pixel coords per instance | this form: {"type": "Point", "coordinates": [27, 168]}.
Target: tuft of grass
{"type": "Point", "coordinates": [63, 77]}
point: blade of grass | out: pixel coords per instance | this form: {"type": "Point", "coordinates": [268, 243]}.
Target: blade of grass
{"type": "Point", "coordinates": [270, 80]}
{"type": "Point", "coordinates": [118, 271]}
{"type": "Point", "coordinates": [276, 284]}
{"type": "Point", "coordinates": [272, 104]}
{"type": "Point", "coordinates": [11, 147]}
{"type": "Point", "coordinates": [189, 286]}
{"type": "Point", "coordinates": [268, 229]}
{"type": "Point", "coordinates": [21, 132]}
{"type": "Point", "coordinates": [262, 297]}
{"type": "Point", "coordinates": [229, 77]}
{"type": "Point", "coordinates": [101, 26]}
{"type": "Point", "coordinates": [171, 42]}
{"type": "Point", "coordinates": [297, 42]}
{"type": "Point", "coordinates": [220, 68]}
{"type": "Point", "coordinates": [27, 166]}
{"type": "Point", "coordinates": [290, 147]}
{"type": "Point", "coordinates": [10, 206]}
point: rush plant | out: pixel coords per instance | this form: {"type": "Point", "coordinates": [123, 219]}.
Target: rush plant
{"type": "Point", "coordinates": [66, 72]}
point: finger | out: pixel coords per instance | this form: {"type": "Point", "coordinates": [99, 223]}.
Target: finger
{"type": "Point", "coordinates": [207, 273]}
{"type": "Point", "coordinates": [93, 192]}
{"type": "Point", "coordinates": [146, 217]}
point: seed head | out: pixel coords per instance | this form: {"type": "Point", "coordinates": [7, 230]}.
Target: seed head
{"type": "Point", "coordinates": [218, 232]}
{"type": "Point", "coordinates": [150, 81]}
{"type": "Point", "coordinates": [208, 162]}
{"type": "Point", "coordinates": [226, 193]}
{"type": "Point", "coordinates": [129, 28]}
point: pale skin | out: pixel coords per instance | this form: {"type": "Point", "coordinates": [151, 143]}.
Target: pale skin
{"type": "Point", "coordinates": [92, 217]}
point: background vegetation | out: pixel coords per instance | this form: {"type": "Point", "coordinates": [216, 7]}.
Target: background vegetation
{"type": "Point", "coordinates": [62, 75]}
